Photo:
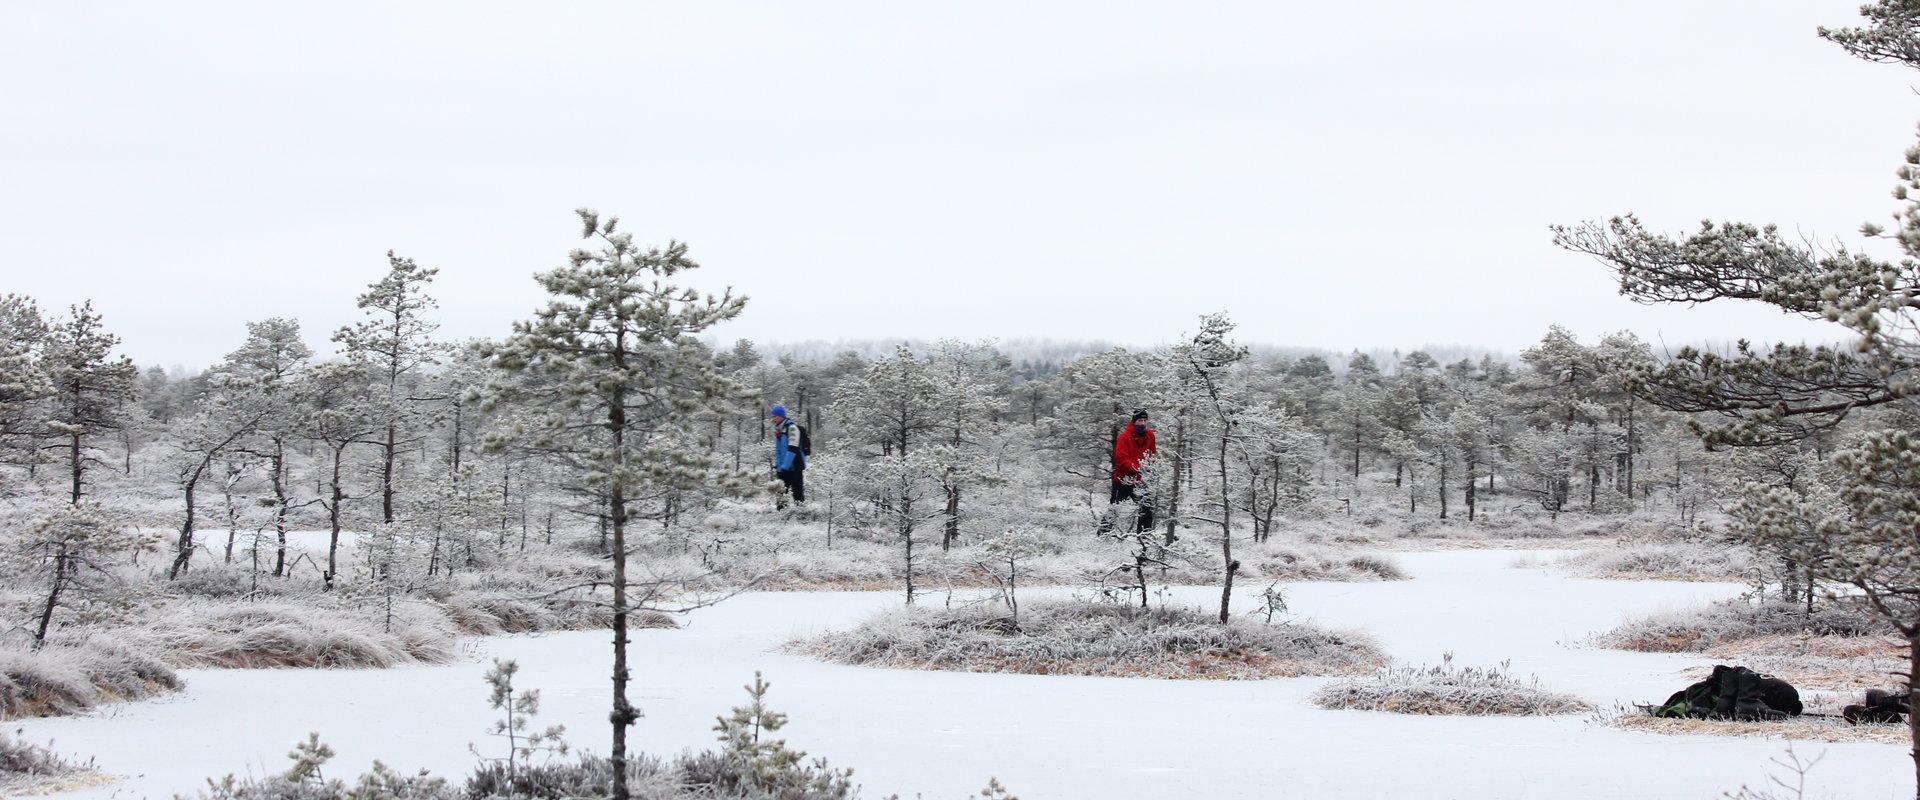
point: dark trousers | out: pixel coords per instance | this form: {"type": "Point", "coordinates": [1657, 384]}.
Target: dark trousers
{"type": "Point", "coordinates": [1137, 493]}
{"type": "Point", "coordinates": [796, 481]}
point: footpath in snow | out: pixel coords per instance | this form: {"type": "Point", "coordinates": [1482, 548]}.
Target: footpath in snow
{"type": "Point", "coordinates": [940, 734]}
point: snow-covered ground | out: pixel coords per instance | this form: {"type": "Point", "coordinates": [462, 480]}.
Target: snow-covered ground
{"type": "Point", "coordinates": [940, 735]}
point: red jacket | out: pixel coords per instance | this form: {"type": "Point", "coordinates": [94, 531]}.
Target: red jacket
{"type": "Point", "coordinates": [1127, 452]}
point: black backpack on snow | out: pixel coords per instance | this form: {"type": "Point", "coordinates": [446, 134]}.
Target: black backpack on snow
{"type": "Point", "coordinates": [1733, 693]}
{"type": "Point", "coordinates": [806, 442]}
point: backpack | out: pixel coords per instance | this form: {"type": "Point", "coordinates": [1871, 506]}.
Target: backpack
{"type": "Point", "coordinates": [806, 442]}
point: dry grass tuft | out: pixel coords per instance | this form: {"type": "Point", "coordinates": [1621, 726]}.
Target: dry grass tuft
{"type": "Point", "coordinates": [1447, 689]}
{"type": "Point", "coordinates": [1080, 638]}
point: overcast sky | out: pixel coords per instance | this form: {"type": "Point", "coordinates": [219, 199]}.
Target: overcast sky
{"type": "Point", "coordinates": [1334, 174]}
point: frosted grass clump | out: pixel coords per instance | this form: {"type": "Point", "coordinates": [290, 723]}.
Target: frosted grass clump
{"type": "Point", "coordinates": [1302, 562]}
{"type": "Point", "coordinates": [1704, 627]}
{"type": "Point", "coordinates": [292, 633]}
{"type": "Point", "coordinates": [68, 679]}
{"type": "Point", "coordinates": [1448, 689]}
{"type": "Point", "coordinates": [1669, 561]}
{"type": "Point", "coordinates": [1082, 638]}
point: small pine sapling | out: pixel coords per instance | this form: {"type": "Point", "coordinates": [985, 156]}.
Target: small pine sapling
{"type": "Point", "coordinates": [1272, 601]}
{"type": "Point", "coordinates": [995, 791]}
{"type": "Point", "coordinates": [767, 763]}
{"type": "Point", "coordinates": [517, 709]}
{"type": "Point", "coordinates": [307, 758]}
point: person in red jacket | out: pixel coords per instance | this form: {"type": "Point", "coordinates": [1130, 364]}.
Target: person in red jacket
{"type": "Point", "coordinates": [1132, 446]}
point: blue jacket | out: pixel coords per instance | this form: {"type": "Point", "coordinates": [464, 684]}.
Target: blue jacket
{"type": "Point", "coordinates": [786, 447]}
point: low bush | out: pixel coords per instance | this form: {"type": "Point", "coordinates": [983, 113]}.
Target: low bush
{"type": "Point", "coordinates": [1081, 638]}
{"type": "Point", "coordinates": [1447, 689]}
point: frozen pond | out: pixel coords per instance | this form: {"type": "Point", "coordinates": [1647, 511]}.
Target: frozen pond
{"type": "Point", "coordinates": [940, 735]}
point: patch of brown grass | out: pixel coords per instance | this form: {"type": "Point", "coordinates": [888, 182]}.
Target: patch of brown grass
{"type": "Point", "coordinates": [1817, 729]}
{"type": "Point", "coordinates": [34, 787]}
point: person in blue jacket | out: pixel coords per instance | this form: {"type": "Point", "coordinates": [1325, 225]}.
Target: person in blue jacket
{"type": "Point", "coordinates": [789, 458]}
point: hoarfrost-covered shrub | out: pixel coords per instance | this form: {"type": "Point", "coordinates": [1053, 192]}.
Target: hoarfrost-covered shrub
{"type": "Point", "coordinates": [1079, 638]}
{"type": "Point", "coordinates": [66, 679]}
{"type": "Point", "coordinates": [1447, 689]}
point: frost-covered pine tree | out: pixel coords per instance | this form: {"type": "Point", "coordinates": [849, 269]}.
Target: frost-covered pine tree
{"type": "Point", "coordinates": [229, 411]}
{"type": "Point", "coordinates": [903, 489]}
{"type": "Point", "coordinates": [267, 369]}
{"type": "Point", "coordinates": [1205, 363]}
{"type": "Point", "coordinates": [23, 383]}
{"type": "Point", "coordinates": [892, 406]}
{"type": "Point", "coordinates": [334, 405]}
{"type": "Point", "coordinates": [612, 364]}
{"type": "Point", "coordinates": [90, 388]}
{"type": "Point", "coordinates": [65, 542]}
{"type": "Point", "coordinates": [972, 391]}
{"type": "Point", "coordinates": [1794, 393]}
{"type": "Point", "coordinates": [1276, 450]}
{"type": "Point", "coordinates": [394, 343]}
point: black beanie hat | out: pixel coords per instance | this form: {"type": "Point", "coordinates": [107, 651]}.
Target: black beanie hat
{"type": "Point", "coordinates": [1138, 415]}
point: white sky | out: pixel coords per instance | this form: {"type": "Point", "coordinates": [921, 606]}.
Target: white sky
{"type": "Point", "coordinates": [1334, 174]}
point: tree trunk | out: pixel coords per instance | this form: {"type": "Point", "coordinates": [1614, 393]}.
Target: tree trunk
{"type": "Point", "coordinates": [1179, 461]}
{"type": "Point", "coordinates": [623, 714]}
{"type": "Point", "coordinates": [1630, 445]}
{"type": "Point", "coordinates": [906, 536]}
{"type": "Point", "coordinates": [76, 466]}
{"type": "Point", "coordinates": [184, 551]}
{"type": "Point", "coordinates": [53, 597]}
{"type": "Point", "coordinates": [1226, 527]}
{"type": "Point", "coordinates": [279, 467]}
{"type": "Point", "coordinates": [952, 533]}
{"type": "Point", "coordinates": [1913, 701]}
{"type": "Point", "coordinates": [333, 522]}
{"type": "Point", "coordinates": [386, 475]}
{"type": "Point", "coordinates": [1468, 492]}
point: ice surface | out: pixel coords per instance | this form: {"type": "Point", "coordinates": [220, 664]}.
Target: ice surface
{"type": "Point", "coordinates": [940, 735]}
